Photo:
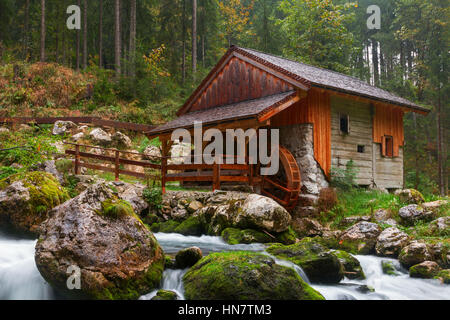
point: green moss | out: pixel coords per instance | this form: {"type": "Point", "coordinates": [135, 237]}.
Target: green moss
{"type": "Point", "coordinates": [319, 264]}
{"type": "Point", "coordinates": [352, 267]}
{"type": "Point", "coordinates": [421, 271]}
{"type": "Point", "coordinates": [192, 226]}
{"type": "Point", "coordinates": [45, 191]}
{"type": "Point", "coordinates": [389, 268]}
{"type": "Point", "coordinates": [116, 208]}
{"type": "Point", "coordinates": [287, 237]}
{"type": "Point", "coordinates": [242, 275]}
{"type": "Point", "coordinates": [165, 295]}
{"type": "Point", "coordinates": [444, 276]}
{"type": "Point", "coordinates": [165, 227]}
{"type": "Point", "coordinates": [235, 236]}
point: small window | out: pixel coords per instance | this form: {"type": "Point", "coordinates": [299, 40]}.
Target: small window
{"type": "Point", "coordinates": [344, 123]}
{"type": "Point", "coordinates": [388, 146]}
{"type": "Point", "coordinates": [361, 149]}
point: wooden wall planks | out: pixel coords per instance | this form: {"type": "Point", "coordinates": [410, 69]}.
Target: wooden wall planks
{"type": "Point", "coordinates": [239, 81]}
{"type": "Point", "coordinates": [315, 109]}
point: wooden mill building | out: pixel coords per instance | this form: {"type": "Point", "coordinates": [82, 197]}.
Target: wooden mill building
{"type": "Point", "coordinates": [325, 119]}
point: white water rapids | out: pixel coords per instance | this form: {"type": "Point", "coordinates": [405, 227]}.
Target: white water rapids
{"type": "Point", "coordinates": [20, 279]}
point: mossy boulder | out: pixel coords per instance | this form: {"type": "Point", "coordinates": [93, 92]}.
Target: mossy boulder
{"type": "Point", "coordinates": [319, 264]}
{"type": "Point", "coordinates": [444, 276]}
{"type": "Point", "coordinates": [165, 295]}
{"type": "Point", "coordinates": [410, 196]}
{"type": "Point", "coordinates": [242, 275]}
{"type": "Point", "coordinates": [165, 227]}
{"type": "Point", "coordinates": [26, 199]}
{"type": "Point", "coordinates": [360, 238]}
{"type": "Point", "coordinates": [412, 213]}
{"type": "Point", "coordinates": [117, 256]}
{"type": "Point", "coordinates": [425, 270]}
{"type": "Point", "coordinates": [192, 226]}
{"type": "Point", "coordinates": [414, 253]}
{"type": "Point", "coordinates": [390, 242]}
{"type": "Point", "coordinates": [236, 236]}
{"type": "Point", "coordinates": [188, 257]}
{"type": "Point", "coordinates": [352, 267]}
{"type": "Point", "coordinates": [287, 237]}
{"type": "Point", "coordinates": [389, 268]}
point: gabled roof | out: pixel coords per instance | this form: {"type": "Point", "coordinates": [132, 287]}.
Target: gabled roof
{"type": "Point", "coordinates": [306, 76]}
{"type": "Point", "coordinates": [242, 110]}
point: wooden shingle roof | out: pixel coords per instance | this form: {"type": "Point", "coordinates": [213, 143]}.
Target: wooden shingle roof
{"type": "Point", "coordinates": [324, 78]}
{"type": "Point", "coordinates": [236, 111]}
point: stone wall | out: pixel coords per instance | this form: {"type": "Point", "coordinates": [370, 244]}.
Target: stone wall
{"type": "Point", "coordinates": [299, 139]}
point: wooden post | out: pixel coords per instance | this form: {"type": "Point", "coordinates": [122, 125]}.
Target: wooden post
{"type": "Point", "coordinates": [164, 165]}
{"type": "Point", "coordinates": [77, 159]}
{"type": "Point", "coordinates": [216, 177]}
{"type": "Point", "coordinates": [117, 165]}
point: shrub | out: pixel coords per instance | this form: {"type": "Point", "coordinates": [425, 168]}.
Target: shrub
{"type": "Point", "coordinates": [153, 196]}
{"type": "Point", "coordinates": [344, 179]}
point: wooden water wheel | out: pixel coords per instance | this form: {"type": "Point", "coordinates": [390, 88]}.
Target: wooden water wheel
{"type": "Point", "coordinates": [284, 187]}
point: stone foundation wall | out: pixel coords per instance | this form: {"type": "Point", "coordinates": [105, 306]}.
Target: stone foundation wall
{"type": "Point", "coordinates": [299, 139]}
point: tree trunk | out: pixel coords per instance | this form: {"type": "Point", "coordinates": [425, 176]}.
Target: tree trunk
{"type": "Point", "coordinates": [441, 147]}
{"type": "Point", "coordinates": [416, 153]}
{"type": "Point", "coordinates": [132, 48]}
{"type": "Point", "coordinates": [85, 50]}
{"type": "Point", "coordinates": [42, 30]}
{"type": "Point", "coordinates": [78, 42]}
{"type": "Point", "coordinates": [117, 45]}
{"type": "Point", "coordinates": [203, 51]}
{"type": "Point", "coordinates": [194, 38]}
{"type": "Point", "coordinates": [376, 75]}
{"type": "Point", "coordinates": [27, 30]}
{"type": "Point", "coordinates": [183, 58]}
{"type": "Point", "coordinates": [100, 35]}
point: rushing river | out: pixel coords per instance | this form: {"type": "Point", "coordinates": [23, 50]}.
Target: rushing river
{"type": "Point", "coordinates": [20, 279]}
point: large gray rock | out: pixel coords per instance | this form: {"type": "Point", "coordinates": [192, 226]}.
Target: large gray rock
{"type": "Point", "coordinates": [413, 212]}
{"type": "Point", "coordinates": [435, 206]}
{"type": "Point", "coordinates": [152, 153]}
{"type": "Point", "coordinates": [121, 140]}
{"type": "Point", "coordinates": [390, 242]}
{"type": "Point", "coordinates": [360, 238]}
{"type": "Point", "coordinates": [260, 212]}
{"type": "Point", "coordinates": [117, 256]}
{"type": "Point", "coordinates": [414, 253]}
{"type": "Point", "coordinates": [133, 193]}
{"type": "Point", "coordinates": [100, 136]}
{"type": "Point", "coordinates": [307, 227]}
{"type": "Point", "coordinates": [62, 127]}
{"type": "Point", "coordinates": [440, 226]}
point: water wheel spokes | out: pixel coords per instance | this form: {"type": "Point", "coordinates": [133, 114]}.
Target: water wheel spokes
{"type": "Point", "coordinates": [284, 187]}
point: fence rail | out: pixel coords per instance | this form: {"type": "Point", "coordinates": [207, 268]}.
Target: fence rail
{"type": "Point", "coordinates": [215, 173]}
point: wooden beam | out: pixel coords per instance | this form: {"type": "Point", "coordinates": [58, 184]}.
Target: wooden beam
{"type": "Point", "coordinates": [278, 109]}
